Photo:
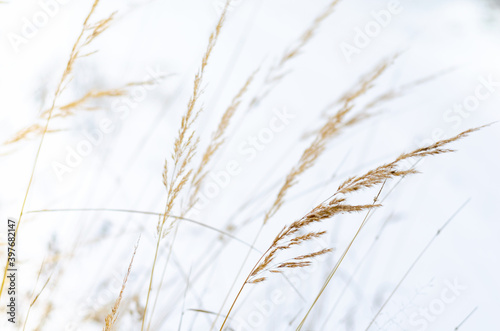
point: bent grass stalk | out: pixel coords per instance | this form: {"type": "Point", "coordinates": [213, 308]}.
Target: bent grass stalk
{"type": "Point", "coordinates": [35, 297]}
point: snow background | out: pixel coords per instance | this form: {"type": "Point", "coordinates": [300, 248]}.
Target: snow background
{"type": "Point", "coordinates": [124, 171]}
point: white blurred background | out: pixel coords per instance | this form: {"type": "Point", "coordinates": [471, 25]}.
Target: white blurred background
{"type": "Point", "coordinates": [87, 253]}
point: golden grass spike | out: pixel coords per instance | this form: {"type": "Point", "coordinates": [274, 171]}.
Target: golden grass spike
{"type": "Point", "coordinates": [113, 315]}
{"type": "Point", "coordinates": [69, 110]}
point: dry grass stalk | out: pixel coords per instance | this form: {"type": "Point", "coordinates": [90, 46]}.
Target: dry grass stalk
{"type": "Point", "coordinates": [93, 95]}
{"type": "Point", "coordinates": [275, 73]}
{"type": "Point", "coordinates": [347, 100]}
{"type": "Point", "coordinates": [113, 315]}
{"type": "Point", "coordinates": [88, 34]}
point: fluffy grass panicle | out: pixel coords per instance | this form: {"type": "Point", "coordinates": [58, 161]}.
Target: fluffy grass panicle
{"type": "Point", "coordinates": [217, 140]}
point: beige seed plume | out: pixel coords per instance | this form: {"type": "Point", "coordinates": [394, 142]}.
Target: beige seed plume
{"type": "Point", "coordinates": [401, 90]}
{"type": "Point", "coordinates": [70, 109]}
